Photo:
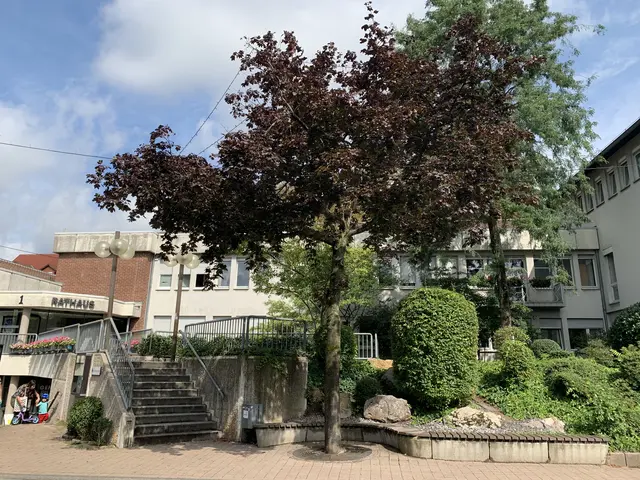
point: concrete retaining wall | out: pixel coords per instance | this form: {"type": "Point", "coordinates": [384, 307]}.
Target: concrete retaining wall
{"type": "Point", "coordinates": [468, 447]}
{"type": "Point", "coordinates": [249, 380]}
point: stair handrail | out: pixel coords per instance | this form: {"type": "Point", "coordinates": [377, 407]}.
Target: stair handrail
{"type": "Point", "coordinates": [185, 340]}
{"type": "Point", "coordinates": [118, 356]}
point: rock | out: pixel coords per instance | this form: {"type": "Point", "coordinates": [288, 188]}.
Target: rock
{"type": "Point", "coordinates": [345, 405]}
{"type": "Point", "coordinates": [471, 417]}
{"type": "Point", "coordinates": [533, 425]}
{"type": "Point", "coordinates": [554, 424]}
{"type": "Point", "coordinates": [387, 409]}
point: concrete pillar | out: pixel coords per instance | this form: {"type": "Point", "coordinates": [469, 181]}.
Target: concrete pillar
{"type": "Point", "coordinates": [565, 331]}
{"type": "Point", "coordinates": [8, 409]}
{"type": "Point", "coordinates": [24, 324]}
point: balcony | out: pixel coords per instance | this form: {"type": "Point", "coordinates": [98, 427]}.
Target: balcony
{"type": "Point", "coordinates": [540, 297]}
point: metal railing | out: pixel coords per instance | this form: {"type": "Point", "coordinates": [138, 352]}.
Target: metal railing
{"type": "Point", "coordinates": [8, 339]}
{"type": "Point", "coordinates": [130, 339]}
{"type": "Point", "coordinates": [250, 334]}
{"type": "Point", "coordinates": [367, 345]}
{"type": "Point", "coordinates": [120, 361]}
{"type": "Point", "coordinates": [88, 336]}
{"type": "Point", "coordinates": [213, 396]}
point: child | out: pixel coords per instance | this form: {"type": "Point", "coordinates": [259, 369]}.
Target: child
{"type": "Point", "coordinates": [20, 404]}
{"type": "Point", "coordinates": [43, 408]}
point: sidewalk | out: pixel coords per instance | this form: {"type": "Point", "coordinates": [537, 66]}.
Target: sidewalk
{"type": "Point", "coordinates": [33, 450]}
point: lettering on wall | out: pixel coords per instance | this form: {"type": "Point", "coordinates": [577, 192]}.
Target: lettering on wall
{"type": "Point", "coordinates": [76, 303]}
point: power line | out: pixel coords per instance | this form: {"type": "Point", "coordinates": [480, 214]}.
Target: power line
{"type": "Point", "coordinates": [27, 251]}
{"type": "Point", "coordinates": [221, 137]}
{"type": "Point", "coordinates": [63, 152]}
{"type": "Point", "coordinates": [212, 110]}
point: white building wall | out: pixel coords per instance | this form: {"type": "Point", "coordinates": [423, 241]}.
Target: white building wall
{"type": "Point", "coordinates": [16, 281]}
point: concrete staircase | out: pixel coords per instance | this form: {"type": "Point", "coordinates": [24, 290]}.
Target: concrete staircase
{"type": "Point", "coordinates": [167, 405]}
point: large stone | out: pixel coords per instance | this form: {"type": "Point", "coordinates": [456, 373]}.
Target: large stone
{"type": "Point", "coordinates": [471, 417]}
{"type": "Point", "coordinates": [387, 409]}
{"type": "Point", "coordinates": [551, 424]}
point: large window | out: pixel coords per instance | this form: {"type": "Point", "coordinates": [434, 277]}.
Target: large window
{"type": "Point", "coordinates": [541, 269]}
{"type": "Point", "coordinates": [567, 265]}
{"type": "Point", "coordinates": [599, 188]}
{"type": "Point", "coordinates": [588, 201]}
{"type": "Point", "coordinates": [554, 334]}
{"type": "Point", "coordinates": [625, 177]}
{"type": "Point", "coordinates": [581, 203]}
{"type": "Point", "coordinates": [407, 273]}
{"type": "Point", "coordinates": [612, 185]}
{"type": "Point", "coordinates": [223, 281]}
{"type": "Point", "coordinates": [186, 281]}
{"type": "Point", "coordinates": [578, 337]}
{"type": "Point", "coordinates": [614, 293]}
{"type": "Point", "coordinates": [587, 269]}
{"type": "Point", "coordinates": [200, 280]}
{"type": "Point", "coordinates": [165, 281]}
{"type": "Point", "coordinates": [474, 266]}
{"type": "Point", "coordinates": [242, 275]}
{"type": "Point", "coordinates": [637, 158]}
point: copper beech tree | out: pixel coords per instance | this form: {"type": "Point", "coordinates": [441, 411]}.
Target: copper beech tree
{"type": "Point", "coordinates": [334, 145]}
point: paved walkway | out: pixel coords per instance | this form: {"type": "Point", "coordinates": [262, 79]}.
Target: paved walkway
{"type": "Point", "coordinates": [34, 451]}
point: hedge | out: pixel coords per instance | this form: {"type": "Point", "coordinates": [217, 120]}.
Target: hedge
{"type": "Point", "coordinates": [625, 330]}
{"type": "Point", "coordinates": [435, 341]}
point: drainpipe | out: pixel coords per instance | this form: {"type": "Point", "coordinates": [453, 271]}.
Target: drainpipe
{"type": "Point", "coordinates": [601, 283]}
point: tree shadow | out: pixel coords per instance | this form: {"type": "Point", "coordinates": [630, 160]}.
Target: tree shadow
{"type": "Point", "coordinates": [220, 446]}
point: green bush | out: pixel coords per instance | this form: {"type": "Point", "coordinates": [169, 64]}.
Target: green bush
{"type": "Point", "coordinates": [435, 341]}
{"type": "Point", "coordinates": [599, 351]}
{"type": "Point", "coordinates": [509, 333]}
{"type": "Point", "coordinates": [83, 415]}
{"type": "Point", "coordinates": [625, 330]}
{"type": "Point", "coordinates": [519, 362]}
{"type": "Point", "coordinates": [365, 389]}
{"type": "Point", "coordinates": [630, 366]}
{"type": "Point", "coordinates": [157, 346]}
{"type": "Point", "coordinates": [545, 347]}
{"type": "Point", "coordinates": [577, 378]}
{"type": "Point", "coordinates": [101, 431]}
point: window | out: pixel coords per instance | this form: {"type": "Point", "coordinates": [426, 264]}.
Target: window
{"type": "Point", "coordinates": [554, 334]}
{"type": "Point", "coordinates": [587, 272]}
{"type": "Point", "coordinates": [223, 281]}
{"type": "Point", "coordinates": [242, 275]}
{"type": "Point", "coordinates": [588, 201]}
{"type": "Point", "coordinates": [599, 192]}
{"type": "Point", "coordinates": [186, 281]}
{"type": "Point", "coordinates": [541, 269]}
{"type": "Point", "coordinates": [578, 337]}
{"type": "Point", "coordinates": [581, 203]}
{"type": "Point", "coordinates": [165, 281]}
{"type": "Point", "coordinates": [637, 157]}
{"type": "Point", "coordinates": [611, 183]}
{"type": "Point", "coordinates": [625, 177]}
{"type": "Point", "coordinates": [474, 265]}
{"type": "Point", "coordinates": [614, 294]}
{"type": "Point", "coordinates": [200, 278]}
{"type": "Point", "coordinates": [566, 265]}
{"type": "Point", "coordinates": [407, 273]}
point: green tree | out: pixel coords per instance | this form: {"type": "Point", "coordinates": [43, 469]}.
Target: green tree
{"type": "Point", "coordinates": [299, 275]}
{"type": "Point", "coordinates": [550, 104]}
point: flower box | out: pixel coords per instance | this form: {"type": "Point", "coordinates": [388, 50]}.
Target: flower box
{"type": "Point", "coordinates": [48, 345]}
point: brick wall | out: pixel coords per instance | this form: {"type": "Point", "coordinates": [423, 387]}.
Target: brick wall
{"type": "Point", "coordinates": [90, 274]}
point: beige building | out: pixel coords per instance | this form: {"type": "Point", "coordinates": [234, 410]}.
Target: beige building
{"type": "Point", "coordinates": [613, 209]}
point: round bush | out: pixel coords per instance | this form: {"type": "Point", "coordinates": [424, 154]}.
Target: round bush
{"type": "Point", "coordinates": [597, 350]}
{"type": "Point", "coordinates": [545, 347]}
{"type": "Point", "coordinates": [366, 388]}
{"type": "Point", "coordinates": [435, 341]}
{"type": "Point", "coordinates": [625, 330]}
{"type": "Point", "coordinates": [509, 333]}
{"type": "Point", "coordinates": [519, 362]}
{"type": "Point", "coordinates": [630, 366]}
{"type": "Point", "coordinates": [83, 415]}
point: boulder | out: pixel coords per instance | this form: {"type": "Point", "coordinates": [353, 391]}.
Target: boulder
{"type": "Point", "coordinates": [474, 418]}
{"type": "Point", "coordinates": [387, 409]}
{"type": "Point", "coordinates": [552, 424]}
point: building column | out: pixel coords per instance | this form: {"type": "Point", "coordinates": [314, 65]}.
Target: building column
{"type": "Point", "coordinates": [24, 324]}
{"type": "Point", "coordinates": [13, 386]}
{"type": "Point", "coordinates": [565, 331]}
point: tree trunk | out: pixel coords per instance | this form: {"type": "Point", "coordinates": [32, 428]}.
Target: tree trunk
{"type": "Point", "coordinates": [501, 282]}
{"type": "Point", "coordinates": [332, 437]}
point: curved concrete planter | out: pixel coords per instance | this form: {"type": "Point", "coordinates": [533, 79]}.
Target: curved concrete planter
{"type": "Point", "coordinates": [468, 447]}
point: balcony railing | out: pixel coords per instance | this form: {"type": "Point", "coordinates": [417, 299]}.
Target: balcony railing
{"type": "Point", "coordinates": [8, 339]}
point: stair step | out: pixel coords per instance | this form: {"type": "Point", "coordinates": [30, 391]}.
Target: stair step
{"type": "Point", "coordinates": [169, 409]}
{"type": "Point", "coordinates": [171, 418]}
{"type": "Point", "coordinates": [155, 365]}
{"type": "Point", "coordinates": [169, 385]}
{"type": "Point", "coordinates": [165, 401]}
{"type": "Point", "coordinates": [165, 392]}
{"type": "Point", "coordinates": [199, 436]}
{"type": "Point", "coordinates": [164, 378]}
{"type": "Point", "coordinates": [169, 428]}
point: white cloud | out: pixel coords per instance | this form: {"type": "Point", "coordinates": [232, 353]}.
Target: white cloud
{"type": "Point", "coordinates": [165, 46]}
{"type": "Point", "coordinates": [41, 192]}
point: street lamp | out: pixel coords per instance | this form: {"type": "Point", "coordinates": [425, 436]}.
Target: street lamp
{"type": "Point", "coordinates": [191, 261]}
{"type": "Point", "coordinates": [119, 248]}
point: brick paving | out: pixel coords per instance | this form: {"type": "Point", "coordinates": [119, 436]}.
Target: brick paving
{"type": "Point", "coordinates": [35, 451]}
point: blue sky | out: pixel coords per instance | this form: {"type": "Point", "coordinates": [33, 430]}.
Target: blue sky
{"type": "Point", "coordinates": [98, 76]}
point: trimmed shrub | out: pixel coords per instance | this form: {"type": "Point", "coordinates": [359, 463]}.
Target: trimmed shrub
{"type": "Point", "coordinates": [101, 431]}
{"type": "Point", "coordinates": [83, 415]}
{"type": "Point", "coordinates": [630, 366]}
{"type": "Point", "coordinates": [625, 330]}
{"type": "Point", "coordinates": [366, 388]}
{"type": "Point", "coordinates": [545, 347]}
{"type": "Point", "coordinates": [578, 378]}
{"type": "Point", "coordinates": [519, 362]}
{"type": "Point", "coordinates": [157, 346]}
{"type": "Point", "coordinates": [599, 351]}
{"type": "Point", "coordinates": [509, 333]}
{"type": "Point", "coordinates": [435, 341]}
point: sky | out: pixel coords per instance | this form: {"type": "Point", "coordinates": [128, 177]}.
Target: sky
{"type": "Point", "coordinates": [97, 77]}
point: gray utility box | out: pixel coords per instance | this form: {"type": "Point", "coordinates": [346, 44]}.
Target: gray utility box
{"type": "Point", "coordinates": [251, 414]}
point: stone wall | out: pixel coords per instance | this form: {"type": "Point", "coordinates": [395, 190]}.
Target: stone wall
{"type": "Point", "coordinates": [248, 380]}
